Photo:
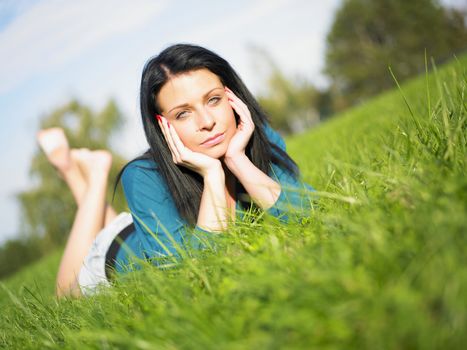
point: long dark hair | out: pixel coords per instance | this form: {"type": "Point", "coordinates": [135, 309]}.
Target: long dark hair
{"type": "Point", "coordinates": [186, 186]}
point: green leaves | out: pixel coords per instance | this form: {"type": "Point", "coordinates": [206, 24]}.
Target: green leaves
{"type": "Point", "coordinates": [368, 36]}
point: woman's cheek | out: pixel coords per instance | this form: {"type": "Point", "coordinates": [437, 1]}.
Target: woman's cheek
{"type": "Point", "coordinates": [229, 112]}
{"type": "Point", "coordinates": [183, 137]}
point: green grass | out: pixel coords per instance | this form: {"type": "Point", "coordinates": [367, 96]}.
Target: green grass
{"type": "Point", "coordinates": [380, 264]}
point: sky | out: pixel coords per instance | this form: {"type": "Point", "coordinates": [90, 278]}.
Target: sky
{"type": "Point", "coordinates": [94, 50]}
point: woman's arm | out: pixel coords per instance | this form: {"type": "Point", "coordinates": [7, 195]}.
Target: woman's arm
{"type": "Point", "coordinates": [160, 229]}
{"type": "Point", "coordinates": [263, 190]}
{"type": "Point", "coordinates": [213, 206]}
{"type": "Point", "coordinates": [279, 193]}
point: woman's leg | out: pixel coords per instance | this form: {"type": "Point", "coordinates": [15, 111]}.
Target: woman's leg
{"type": "Point", "coordinates": [89, 219]}
{"type": "Point", "coordinates": [55, 145]}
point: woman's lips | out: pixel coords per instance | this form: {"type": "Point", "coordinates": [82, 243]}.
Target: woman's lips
{"type": "Point", "coordinates": [214, 141]}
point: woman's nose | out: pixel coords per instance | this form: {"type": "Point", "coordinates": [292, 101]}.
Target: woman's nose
{"type": "Point", "coordinates": [206, 121]}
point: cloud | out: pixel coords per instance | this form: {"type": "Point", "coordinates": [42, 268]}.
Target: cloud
{"type": "Point", "coordinates": [290, 31]}
{"type": "Point", "coordinates": [229, 24]}
{"type": "Point", "coordinates": [54, 32]}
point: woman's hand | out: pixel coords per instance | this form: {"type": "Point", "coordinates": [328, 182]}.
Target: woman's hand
{"type": "Point", "coordinates": [181, 155]}
{"type": "Point", "coordinates": [245, 128]}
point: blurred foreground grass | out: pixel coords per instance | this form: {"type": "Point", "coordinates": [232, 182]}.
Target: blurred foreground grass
{"type": "Point", "coordinates": [380, 264]}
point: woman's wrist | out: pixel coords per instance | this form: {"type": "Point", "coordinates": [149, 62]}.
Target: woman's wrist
{"type": "Point", "coordinates": [213, 206]}
{"type": "Point", "coordinates": [235, 163]}
{"type": "Point", "coordinates": [215, 173]}
{"type": "Point", "coordinates": [260, 186]}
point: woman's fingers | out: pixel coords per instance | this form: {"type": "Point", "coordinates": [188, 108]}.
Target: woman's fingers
{"type": "Point", "coordinates": [239, 111]}
{"type": "Point", "coordinates": [234, 97]}
{"type": "Point", "coordinates": [178, 149]}
{"type": "Point", "coordinates": [163, 123]}
{"type": "Point", "coordinates": [240, 106]}
{"type": "Point", "coordinates": [181, 149]}
{"type": "Point", "coordinates": [173, 148]}
{"type": "Point", "coordinates": [178, 144]}
{"type": "Point", "coordinates": [245, 117]}
{"type": "Point", "coordinates": [235, 102]}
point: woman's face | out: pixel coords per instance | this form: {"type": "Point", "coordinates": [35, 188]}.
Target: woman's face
{"type": "Point", "coordinates": [196, 105]}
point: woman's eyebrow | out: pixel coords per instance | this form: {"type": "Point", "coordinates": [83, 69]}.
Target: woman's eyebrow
{"type": "Point", "coordinates": [186, 104]}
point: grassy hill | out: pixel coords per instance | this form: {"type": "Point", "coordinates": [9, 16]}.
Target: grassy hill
{"type": "Point", "coordinates": [380, 263]}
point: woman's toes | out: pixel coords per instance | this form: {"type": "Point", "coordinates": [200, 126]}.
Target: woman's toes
{"type": "Point", "coordinates": [93, 164]}
{"type": "Point", "coordinates": [55, 146]}
{"type": "Point", "coordinates": [102, 159]}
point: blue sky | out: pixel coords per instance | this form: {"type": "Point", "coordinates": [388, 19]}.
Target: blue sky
{"type": "Point", "coordinates": [53, 50]}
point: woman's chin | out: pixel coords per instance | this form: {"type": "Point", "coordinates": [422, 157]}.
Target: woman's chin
{"type": "Point", "coordinates": [215, 152]}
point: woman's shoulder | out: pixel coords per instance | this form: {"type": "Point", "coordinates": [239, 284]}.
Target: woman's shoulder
{"type": "Point", "coordinates": [142, 163]}
{"type": "Point", "coordinates": [140, 170]}
{"type": "Point", "coordinates": [143, 185]}
{"type": "Point", "coordinates": [274, 136]}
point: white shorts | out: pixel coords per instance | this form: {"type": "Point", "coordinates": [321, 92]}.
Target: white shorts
{"type": "Point", "coordinates": [92, 272]}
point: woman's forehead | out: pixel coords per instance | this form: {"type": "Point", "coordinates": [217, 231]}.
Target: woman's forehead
{"type": "Point", "coordinates": [187, 86]}
{"type": "Point", "coordinates": [201, 77]}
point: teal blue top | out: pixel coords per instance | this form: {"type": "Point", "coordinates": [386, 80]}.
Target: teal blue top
{"type": "Point", "coordinates": [159, 228]}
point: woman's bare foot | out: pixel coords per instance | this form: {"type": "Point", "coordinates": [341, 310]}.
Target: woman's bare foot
{"type": "Point", "coordinates": [94, 165]}
{"type": "Point", "coordinates": [97, 163]}
{"type": "Point", "coordinates": [55, 146]}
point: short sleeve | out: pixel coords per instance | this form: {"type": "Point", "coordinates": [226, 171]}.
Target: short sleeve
{"type": "Point", "coordinates": [158, 224]}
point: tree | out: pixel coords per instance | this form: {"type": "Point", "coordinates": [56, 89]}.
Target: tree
{"type": "Point", "coordinates": [18, 252]}
{"type": "Point", "coordinates": [47, 209]}
{"type": "Point", "coordinates": [290, 103]}
{"type": "Point", "coordinates": [367, 36]}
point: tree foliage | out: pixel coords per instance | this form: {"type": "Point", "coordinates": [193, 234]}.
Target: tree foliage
{"type": "Point", "coordinates": [367, 36]}
{"type": "Point", "coordinates": [290, 102]}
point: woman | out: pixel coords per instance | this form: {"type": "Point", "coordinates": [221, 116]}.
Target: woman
{"type": "Point", "coordinates": [212, 155]}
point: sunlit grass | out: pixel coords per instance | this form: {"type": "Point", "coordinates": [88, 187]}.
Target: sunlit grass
{"type": "Point", "coordinates": [380, 263]}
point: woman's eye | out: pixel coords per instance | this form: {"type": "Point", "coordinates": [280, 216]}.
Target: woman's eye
{"type": "Point", "coordinates": [180, 115]}
{"type": "Point", "coordinates": [214, 100]}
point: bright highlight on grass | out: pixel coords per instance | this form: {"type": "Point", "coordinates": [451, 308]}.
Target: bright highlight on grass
{"type": "Point", "coordinates": [378, 263]}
